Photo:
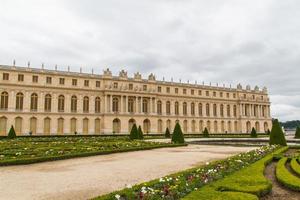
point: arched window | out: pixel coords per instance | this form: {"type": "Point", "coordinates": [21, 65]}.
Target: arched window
{"type": "Point", "coordinates": [86, 104]}
{"type": "Point", "coordinates": [4, 100]}
{"type": "Point", "coordinates": [146, 126]}
{"type": "Point", "coordinates": [222, 110]}
{"type": "Point", "coordinates": [61, 103]}
{"type": "Point", "coordinates": [159, 107]}
{"type": "Point", "coordinates": [200, 109]}
{"type": "Point", "coordinates": [168, 108]}
{"type": "Point", "coordinates": [176, 108]}
{"type": "Point", "coordinates": [19, 101]}
{"type": "Point", "coordinates": [228, 111]}
{"type": "Point", "coordinates": [131, 122]}
{"type": "Point", "coordinates": [145, 105]}
{"type": "Point", "coordinates": [73, 105]}
{"type": "Point", "coordinates": [159, 126]}
{"type": "Point", "coordinates": [131, 105]}
{"type": "Point", "coordinates": [184, 108]}
{"type": "Point", "coordinates": [234, 111]}
{"type": "Point", "coordinates": [192, 109]}
{"type": "Point", "coordinates": [34, 102]}
{"type": "Point", "coordinates": [215, 109]}
{"type": "Point", "coordinates": [47, 103]}
{"type": "Point", "coordinates": [97, 105]}
{"type": "Point", "coordinates": [207, 110]}
{"type": "Point", "coordinates": [116, 125]}
{"type": "Point", "coordinates": [115, 107]}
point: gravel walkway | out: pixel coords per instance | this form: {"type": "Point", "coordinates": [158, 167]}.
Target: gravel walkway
{"type": "Point", "coordinates": [83, 178]}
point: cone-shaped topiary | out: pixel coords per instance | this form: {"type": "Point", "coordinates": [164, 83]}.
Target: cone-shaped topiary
{"type": "Point", "coordinates": [205, 132]}
{"type": "Point", "coordinates": [177, 136]}
{"type": "Point", "coordinates": [134, 132]}
{"type": "Point", "coordinates": [268, 132]}
{"type": "Point", "coordinates": [253, 133]}
{"type": "Point", "coordinates": [297, 134]}
{"type": "Point", "coordinates": [277, 136]}
{"type": "Point", "coordinates": [140, 133]}
{"type": "Point", "coordinates": [167, 133]}
{"type": "Point", "coordinates": [11, 133]}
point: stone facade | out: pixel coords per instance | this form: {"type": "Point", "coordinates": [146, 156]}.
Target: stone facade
{"type": "Point", "coordinates": [50, 102]}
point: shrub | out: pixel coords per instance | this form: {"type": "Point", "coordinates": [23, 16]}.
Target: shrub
{"type": "Point", "coordinates": [297, 134]}
{"type": "Point", "coordinates": [295, 166]}
{"type": "Point", "coordinates": [205, 132]}
{"type": "Point", "coordinates": [11, 133]}
{"type": "Point", "coordinates": [253, 133]}
{"type": "Point", "coordinates": [284, 176]}
{"type": "Point", "coordinates": [277, 136]}
{"type": "Point", "coordinates": [140, 133]}
{"type": "Point", "coordinates": [134, 132]}
{"type": "Point", "coordinates": [177, 136]}
{"type": "Point", "coordinates": [268, 132]}
{"type": "Point", "coordinates": [167, 133]}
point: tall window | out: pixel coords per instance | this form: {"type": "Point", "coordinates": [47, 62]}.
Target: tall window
{"type": "Point", "coordinates": [234, 110]}
{"type": "Point", "coordinates": [35, 79]}
{"type": "Point", "coordinates": [168, 108]}
{"type": "Point", "coordinates": [97, 84]}
{"type": "Point", "coordinates": [215, 110]}
{"type": "Point", "coordinates": [86, 83]}
{"type": "Point", "coordinates": [74, 82]}
{"type": "Point", "coordinates": [47, 103]}
{"type": "Point", "coordinates": [228, 111]}
{"type": "Point", "coordinates": [97, 105]}
{"type": "Point", "coordinates": [61, 103]}
{"type": "Point", "coordinates": [34, 102]}
{"type": "Point", "coordinates": [115, 105]}
{"type": "Point", "coordinates": [6, 76]}
{"type": "Point", "coordinates": [184, 108]}
{"type": "Point", "coordinates": [130, 105]}
{"type": "Point", "coordinates": [158, 107]}
{"type": "Point", "coordinates": [176, 108]}
{"type": "Point", "coordinates": [222, 110]}
{"type": "Point", "coordinates": [61, 81]}
{"type": "Point", "coordinates": [145, 105]}
{"type": "Point", "coordinates": [192, 109]}
{"type": "Point", "coordinates": [20, 77]}
{"type": "Point", "coordinates": [86, 104]}
{"type": "Point", "coordinates": [48, 80]}
{"type": "Point", "coordinates": [19, 101]}
{"type": "Point", "coordinates": [73, 103]}
{"type": "Point", "coordinates": [4, 100]}
{"type": "Point", "coordinates": [207, 110]}
{"type": "Point", "coordinates": [200, 109]}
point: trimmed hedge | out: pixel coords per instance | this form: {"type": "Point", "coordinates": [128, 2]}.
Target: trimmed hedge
{"type": "Point", "coordinates": [177, 136]}
{"type": "Point", "coordinates": [285, 177]}
{"type": "Point", "coordinates": [11, 133]}
{"type": "Point", "coordinates": [84, 154]}
{"type": "Point", "coordinates": [253, 133]}
{"type": "Point", "coordinates": [277, 136]}
{"type": "Point", "coordinates": [205, 133]}
{"type": "Point", "coordinates": [297, 134]}
{"type": "Point", "coordinates": [295, 166]}
{"type": "Point", "coordinates": [248, 183]}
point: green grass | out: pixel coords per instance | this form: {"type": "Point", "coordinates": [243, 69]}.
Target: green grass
{"type": "Point", "coordinates": [295, 166]}
{"type": "Point", "coordinates": [26, 150]}
{"type": "Point", "coordinates": [285, 177]}
{"type": "Point", "coordinates": [248, 183]}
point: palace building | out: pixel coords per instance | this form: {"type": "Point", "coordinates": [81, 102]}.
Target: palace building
{"type": "Point", "coordinates": [52, 102]}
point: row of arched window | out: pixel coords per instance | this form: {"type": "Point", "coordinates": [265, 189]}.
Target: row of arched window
{"type": "Point", "coordinates": [48, 102]}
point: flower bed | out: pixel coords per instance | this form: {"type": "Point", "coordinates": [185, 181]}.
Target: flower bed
{"type": "Point", "coordinates": [37, 149]}
{"type": "Point", "coordinates": [179, 185]}
{"type": "Point", "coordinates": [285, 177]}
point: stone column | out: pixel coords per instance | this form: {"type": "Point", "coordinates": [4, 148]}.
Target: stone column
{"type": "Point", "coordinates": [136, 105]}
{"type": "Point", "coordinates": [111, 104]}
{"type": "Point", "coordinates": [121, 104]}
{"type": "Point", "coordinates": [126, 104]}
{"type": "Point", "coordinates": [151, 108]}
{"type": "Point", "coordinates": [12, 101]}
{"type": "Point", "coordinates": [105, 104]}
{"type": "Point", "coordinates": [141, 104]}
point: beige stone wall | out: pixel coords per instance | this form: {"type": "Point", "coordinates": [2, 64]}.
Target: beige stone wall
{"type": "Point", "coordinates": [252, 106]}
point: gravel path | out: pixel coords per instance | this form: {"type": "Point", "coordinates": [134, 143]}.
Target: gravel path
{"type": "Point", "coordinates": [83, 178]}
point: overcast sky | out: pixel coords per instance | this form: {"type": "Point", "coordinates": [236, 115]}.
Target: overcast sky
{"type": "Point", "coordinates": [253, 42]}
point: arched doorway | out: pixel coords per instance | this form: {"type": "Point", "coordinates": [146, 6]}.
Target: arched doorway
{"type": "Point", "coordinates": [159, 126]}
{"type": "Point", "coordinates": [47, 126]}
{"type": "Point", "coordinates": [60, 126]}
{"type": "Point", "coordinates": [257, 128]}
{"type": "Point", "coordinates": [200, 126]}
{"type": "Point", "coordinates": [116, 126]}
{"type": "Point", "coordinates": [208, 126]}
{"type": "Point", "coordinates": [216, 127]}
{"type": "Point", "coordinates": [169, 125]}
{"type": "Point", "coordinates": [185, 126]}
{"type": "Point", "coordinates": [97, 126]}
{"type": "Point", "coordinates": [85, 126]}
{"type": "Point", "coordinates": [235, 126]}
{"type": "Point", "coordinates": [131, 122]}
{"type": "Point", "coordinates": [248, 126]}
{"type": "Point", "coordinates": [33, 123]}
{"type": "Point", "coordinates": [73, 127]}
{"type": "Point", "coordinates": [222, 127]}
{"type": "Point", "coordinates": [3, 124]}
{"type": "Point", "coordinates": [229, 127]}
{"type": "Point", "coordinates": [266, 127]}
{"type": "Point", "coordinates": [146, 126]}
{"type": "Point", "coordinates": [18, 125]}
{"type": "Point", "coordinates": [193, 126]}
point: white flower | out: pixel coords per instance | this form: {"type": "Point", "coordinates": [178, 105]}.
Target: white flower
{"type": "Point", "coordinates": [128, 186]}
{"type": "Point", "coordinates": [207, 163]}
{"type": "Point", "coordinates": [117, 196]}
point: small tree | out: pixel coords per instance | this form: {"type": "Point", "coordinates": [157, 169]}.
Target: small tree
{"type": "Point", "coordinates": [253, 133]}
{"type": "Point", "coordinates": [268, 132]}
{"type": "Point", "coordinates": [277, 136]}
{"type": "Point", "coordinates": [297, 134]}
{"type": "Point", "coordinates": [167, 133]}
{"type": "Point", "coordinates": [134, 132]}
{"type": "Point", "coordinates": [177, 136]}
{"type": "Point", "coordinates": [205, 132]}
{"type": "Point", "coordinates": [140, 133]}
{"type": "Point", "coordinates": [11, 133]}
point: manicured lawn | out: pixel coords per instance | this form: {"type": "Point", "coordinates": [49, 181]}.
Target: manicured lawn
{"type": "Point", "coordinates": [180, 185]}
{"type": "Point", "coordinates": [25, 150]}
